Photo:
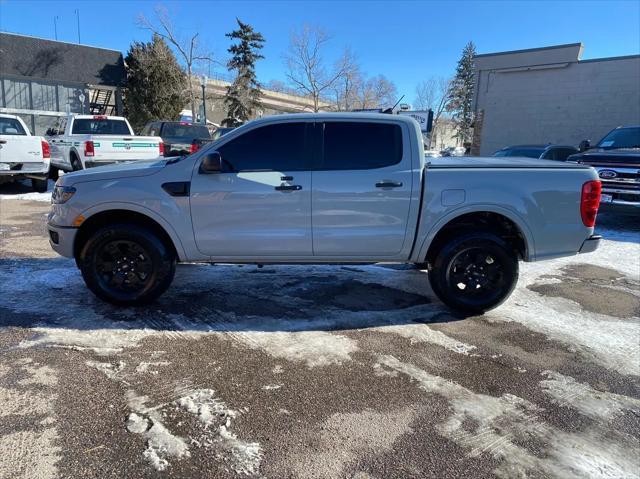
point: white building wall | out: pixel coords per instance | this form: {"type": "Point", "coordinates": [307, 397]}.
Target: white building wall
{"type": "Point", "coordinates": [529, 99]}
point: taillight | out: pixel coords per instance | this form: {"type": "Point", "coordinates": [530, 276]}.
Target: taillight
{"type": "Point", "coordinates": [589, 202]}
{"type": "Point", "coordinates": [89, 150]}
{"type": "Point", "coordinates": [161, 148]}
{"type": "Point", "coordinates": [194, 147]}
{"type": "Point", "coordinates": [46, 151]}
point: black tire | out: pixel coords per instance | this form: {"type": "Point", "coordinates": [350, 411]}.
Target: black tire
{"type": "Point", "coordinates": [109, 260]}
{"type": "Point", "coordinates": [39, 185]}
{"type": "Point", "coordinates": [474, 272]}
{"type": "Point", "coordinates": [76, 164]}
{"type": "Point", "coordinates": [53, 173]}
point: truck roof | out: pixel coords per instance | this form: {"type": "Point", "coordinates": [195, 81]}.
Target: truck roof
{"type": "Point", "coordinates": [336, 116]}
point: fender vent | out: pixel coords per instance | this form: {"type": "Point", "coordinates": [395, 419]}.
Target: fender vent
{"type": "Point", "coordinates": [177, 188]}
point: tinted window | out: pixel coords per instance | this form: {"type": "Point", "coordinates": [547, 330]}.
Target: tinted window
{"type": "Point", "coordinates": [359, 146]}
{"type": "Point", "coordinates": [186, 130]}
{"type": "Point", "coordinates": [563, 153]}
{"type": "Point", "coordinates": [526, 152]}
{"type": "Point", "coordinates": [278, 147]}
{"type": "Point", "coordinates": [11, 126]}
{"type": "Point", "coordinates": [92, 126]}
{"type": "Point", "coordinates": [621, 138]}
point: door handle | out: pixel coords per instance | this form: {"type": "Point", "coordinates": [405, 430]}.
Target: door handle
{"type": "Point", "coordinates": [288, 188]}
{"type": "Point", "coordinates": [2, 142]}
{"type": "Point", "coordinates": [388, 184]}
{"type": "Point", "coordinates": [286, 178]}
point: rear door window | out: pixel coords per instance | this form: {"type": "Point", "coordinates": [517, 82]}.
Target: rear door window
{"type": "Point", "coordinates": [361, 146]}
{"type": "Point", "coordinates": [11, 126]}
{"type": "Point", "coordinates": [278, 147]}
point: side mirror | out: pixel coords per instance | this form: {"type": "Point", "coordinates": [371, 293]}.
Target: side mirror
{"type": "Point", "coordinates": [584, 145]}
{"type": "Point", "coordinates": [212, 163]}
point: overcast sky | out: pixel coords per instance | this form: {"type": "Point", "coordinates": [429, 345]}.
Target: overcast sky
{"type": "Point", "coordinates": [406, 41]}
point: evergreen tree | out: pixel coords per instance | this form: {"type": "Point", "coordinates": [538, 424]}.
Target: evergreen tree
{"type": "Point", "coordinates": [461, 94]}
{"type": "Point", "coordinates": [156, 84]}
{"type": "Point", "coordinates": [243, 95]}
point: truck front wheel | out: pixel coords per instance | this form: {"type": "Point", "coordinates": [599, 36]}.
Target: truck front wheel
{"type": "Point", "coordinates": [126, 264]}
{"type": "Point", "coordinates": [474, 272]}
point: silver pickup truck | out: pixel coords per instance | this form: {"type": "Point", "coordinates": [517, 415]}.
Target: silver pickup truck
{"type": "Point", "coordinates": [324, 188]}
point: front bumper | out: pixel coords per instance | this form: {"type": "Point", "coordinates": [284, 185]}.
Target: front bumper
{"type": "Point", "coordinates": [590, 244]}
{"type": "Point", "coordinates": [61, 239]}
{"type": "Point", "coordinates": [623, 197]}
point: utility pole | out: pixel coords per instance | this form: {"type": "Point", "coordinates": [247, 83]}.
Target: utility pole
{"type": "Point", "coordinates": [78, 21]}
{"type": "Point", "coordinates": [203, 82]}
{"type": "Point", "coordinates": [55, 26]}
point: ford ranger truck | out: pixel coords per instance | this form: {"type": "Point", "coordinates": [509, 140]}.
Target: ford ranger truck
{"type": "Point", "coordinates": [616, 158]}
{"type": "Point", "coordinates": [22, 155]}
{"type": "Point", "coordinates": [84, 141]}
{"type": "Point", "coordinates": [324, 188]}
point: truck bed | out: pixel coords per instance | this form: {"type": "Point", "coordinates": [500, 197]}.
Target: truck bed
{"type": "Point", "coordinates": [499, 162]}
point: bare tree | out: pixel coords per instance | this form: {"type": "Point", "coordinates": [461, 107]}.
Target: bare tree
{"type": "Point", "coordinates": [188, 48]}
{"type": "Point", "coordinates": [307, 70]}
{"type": "Point", "coordinates": [347, 85]}
{"type": "Point", "coordinates": [376, 92]}
{"type": "Point", "coordinates": [433, 94]}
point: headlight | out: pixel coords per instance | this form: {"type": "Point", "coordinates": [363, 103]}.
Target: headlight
{"type": "Point", "coordinates": [62, 194]}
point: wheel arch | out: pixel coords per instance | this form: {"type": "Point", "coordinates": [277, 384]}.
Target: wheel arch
{"type": "Point", "coordinates": [501, 220]}
{"type": "Point", "coordinates": [125, 214]}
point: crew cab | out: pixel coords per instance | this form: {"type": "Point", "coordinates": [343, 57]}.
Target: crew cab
{"type": "Point", "coordinates": [324, 188]}
{"type": "Point", "coordinates": [22, 155]}
{"type": "Point", "coordinates": [82, 141]}
{"type": "Point", "coordinates": [178, 137]}
{"type": "Point", "coordinates": [616, 158]}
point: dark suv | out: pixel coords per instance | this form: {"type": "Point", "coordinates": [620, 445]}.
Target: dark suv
{"type": "Point", "coordinates": [545, 152]}
{"type": "Point", "coordinates": [179, 137]}
{"type": "Point", "coordinates": [617, 159]}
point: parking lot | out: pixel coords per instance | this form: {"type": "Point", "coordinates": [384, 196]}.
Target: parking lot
{"type": "Point", "coordinates": [317, 371]}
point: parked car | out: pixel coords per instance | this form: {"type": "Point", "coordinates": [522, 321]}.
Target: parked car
{"type": "Point", "coordinates": [22, 155]}
{"type": "Point", "coordinates": [544, 152]}
{"type": "Point", "coordinates": [432, 154]}
{"type": "Point", "coordinates": [453, 151]}
{"type": "Point", "coordinates": [616, 158]}
{"type": "Point", "coordinates": [83, 141]}
{"type": "Point", "coordinates": [178, 137]}
{"type": "Point", "coordinates": [220, 132]}
{"type": "Point", "coordinates": [324, 188]}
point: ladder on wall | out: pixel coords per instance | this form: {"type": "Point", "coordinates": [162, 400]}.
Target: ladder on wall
{"type": "Point", "coordinates": [99, 104]}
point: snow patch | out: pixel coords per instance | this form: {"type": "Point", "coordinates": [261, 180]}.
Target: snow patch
{"type": "Point", "coordinates": [144, 366]}
{"type": "Point", "coordinates": [137, 424]}
{"type": "Point", "coordinates": [45, 197]}
{"type": "Point", "coordinates": [206, 406]}
{"type": "Point", "coordinates": [567, 392]}
{"type": "Point", "coordinates": [162, 444]}
{"type": "Point", "coordinates": [108, 369]}
{"type": "Point", "coordinates": [496, 426]}
{"type": "Point", "coordinates": [271, 387]}
{"type": "Point", "coordinates": [422, 333]}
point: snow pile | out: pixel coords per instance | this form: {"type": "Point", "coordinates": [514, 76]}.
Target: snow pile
{"type": "Point", "coordinates": [45, 197]}
{"type": "Point", "coordinates": [205, 406]}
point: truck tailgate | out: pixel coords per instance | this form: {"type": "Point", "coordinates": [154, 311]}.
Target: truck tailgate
{"type": "Point", "coordinates": [19, 149]}
{"type": "Point", "coordinates": [121, 148]}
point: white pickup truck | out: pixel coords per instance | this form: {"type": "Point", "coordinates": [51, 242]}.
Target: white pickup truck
{"type": "Point", "coordinates": [83, 141]}
{"type": "Point", "coordinates": [324, 188]}
{"type": "Point", "coordinates": [22, 155]}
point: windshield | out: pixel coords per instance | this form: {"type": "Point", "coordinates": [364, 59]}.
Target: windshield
{"type": "Point", "coordinates": [185, 130]}
{"type": "Point", "coordinates": [621, 138]}
{"type": "Point", "coordinates": [93, 126]}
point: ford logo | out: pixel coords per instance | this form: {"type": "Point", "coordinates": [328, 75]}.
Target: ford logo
{"type": "Point", "coordinates": [127, 146]}
{"type": "Point", "coordinates": [607, 174]}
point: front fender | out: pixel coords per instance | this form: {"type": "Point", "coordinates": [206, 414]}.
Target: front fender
{"type": "Point", "coordinates": [121, 205]}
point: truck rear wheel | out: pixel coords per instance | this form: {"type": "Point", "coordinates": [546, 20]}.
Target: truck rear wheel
{"type": "Point", "coordinates": [474, 272]}
{"type": "Point", "coordinates": [39, 185]}
{"type": "Point", "coordinates": [76, 164]}
{"type": "Point", "coordinates": [126, 264]}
